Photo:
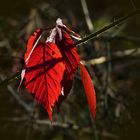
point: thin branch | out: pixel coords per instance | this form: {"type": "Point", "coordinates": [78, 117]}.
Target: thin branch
{"type": "Point", "coordinates": [117, 55]}
{"type": "Point", "coordinates": [10, 79]}
{"type": "Point", "coordinates": [113, 24]}
{"type": "Point", "coordinates": [16, 96]}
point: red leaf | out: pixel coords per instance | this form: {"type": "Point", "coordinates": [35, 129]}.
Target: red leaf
{"type": "Point", "coordinates": [44, 75]}
{"type": "Point", "coordinates": [32, 42]}
{"type": "Point", "coordinates": [71, 59]}
{"type": "Point", "coordinates": [50, 68]}
{"type": "Point", "coordinates": [89, 90]}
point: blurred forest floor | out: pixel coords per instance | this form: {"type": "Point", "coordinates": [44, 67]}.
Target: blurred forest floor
{"type": "Point", "coordinates": [113, 62]}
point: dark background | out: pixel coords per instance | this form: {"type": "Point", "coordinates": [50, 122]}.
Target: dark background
{"type": "Point", "coordinates": [117, 89]}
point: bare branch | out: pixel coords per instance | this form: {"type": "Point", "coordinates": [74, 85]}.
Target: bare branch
{"type": "Point", "coordinates": [113, 24]}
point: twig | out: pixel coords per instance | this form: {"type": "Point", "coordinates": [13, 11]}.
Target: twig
{"type": "Point", "coordinates": [43, 122]}
{"type": "Point", "coordinates": [118, 55]}
{"type": "Point", "coordinates": [16, 96]}
{"type": "Point", "coordinates": [57, 124]}
{"type": "Point", "coordinates": [89, 37]}
{"type": "Point", "coordinates": [10, 79]}
{"type": "Point", "coordinates": [117, 22]}
{"type": "Point", "coordinates": [60, 125]}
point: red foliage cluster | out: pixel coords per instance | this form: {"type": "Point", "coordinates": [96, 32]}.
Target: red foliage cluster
{"type": "Point", "coordinates": [50, 67]}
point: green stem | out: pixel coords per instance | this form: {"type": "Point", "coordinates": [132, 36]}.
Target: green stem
{"type": "Point", "coordinates": [89, 37]}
